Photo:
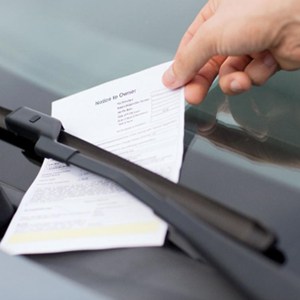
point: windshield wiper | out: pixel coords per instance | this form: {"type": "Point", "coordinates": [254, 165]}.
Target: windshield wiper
{"type": "Point", "coordinates": [229, 240]}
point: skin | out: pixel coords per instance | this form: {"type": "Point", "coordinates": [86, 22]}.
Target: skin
{"type": "Point", "coordinates": [242, 42]}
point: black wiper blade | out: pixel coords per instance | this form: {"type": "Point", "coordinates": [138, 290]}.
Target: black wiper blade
{"type": "Point", "coordinates": [50, 141]}
{"type": "Point", "coordinates": [18, 141]}
{"type": "Point", "coordinates": [3, 113]}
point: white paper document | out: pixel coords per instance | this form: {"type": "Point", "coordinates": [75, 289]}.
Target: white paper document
{"type": "Point", "coordinates": [69, 209]}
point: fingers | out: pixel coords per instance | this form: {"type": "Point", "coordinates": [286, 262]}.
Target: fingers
{"type": "Point", "coordinates": [261, 68]}
{"type": "Point", "coordinates": [238, 74]}
{"type": "Point", "coordinates": [196, 90]}
{"type": "Point", "coordinates": [235, 83]}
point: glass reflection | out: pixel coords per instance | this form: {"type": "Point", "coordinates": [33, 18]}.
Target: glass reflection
{"type": "Point", "coordinates": [262, 124]}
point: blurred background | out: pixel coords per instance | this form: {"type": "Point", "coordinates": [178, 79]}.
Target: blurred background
{"type": "Point", "coordinates": [69, 45]}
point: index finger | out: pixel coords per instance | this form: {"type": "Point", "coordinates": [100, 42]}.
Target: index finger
{"type": "Point", "coordinates": [191, 55]}
{"type": "Point", "coordinates": [205, 13]}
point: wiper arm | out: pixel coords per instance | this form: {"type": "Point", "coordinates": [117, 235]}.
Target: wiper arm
{"type": "Point", "coordinates": [50, 141]}
{"type": "Point", "coordinates": [221, 234]}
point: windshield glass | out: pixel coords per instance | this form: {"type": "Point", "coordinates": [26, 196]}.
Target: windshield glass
{"type": "Point", "coordinates": [68, 46]}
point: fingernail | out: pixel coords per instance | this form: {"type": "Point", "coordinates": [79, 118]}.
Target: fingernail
{"type": "Point", "coordinates": [235, 86]}
{"type": "Point", "coordinates": [169, 77]}
{"type": "Point", "coordinates": [269, 60]}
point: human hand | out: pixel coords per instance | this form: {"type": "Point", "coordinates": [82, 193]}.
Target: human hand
{"type": "Point", "coordinates": [244, 42]}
